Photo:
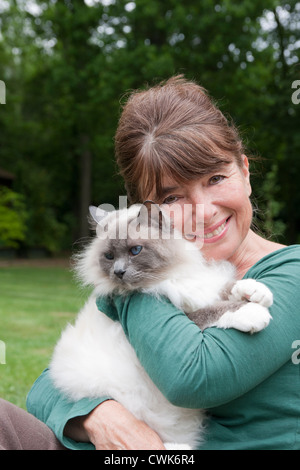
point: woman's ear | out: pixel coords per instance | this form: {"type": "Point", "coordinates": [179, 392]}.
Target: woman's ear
{"type": "Point", "coordinates": [246, 173]}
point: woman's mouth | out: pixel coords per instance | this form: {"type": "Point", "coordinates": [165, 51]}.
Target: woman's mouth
{"type": "Point", "coordinates": [211, 235]}
{"type": "Point", "coordinates": [217, 233]}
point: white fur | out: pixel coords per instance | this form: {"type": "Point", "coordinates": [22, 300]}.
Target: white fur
{"type": "Point", "coordinates": [253, 291]}
{"type": "Point", "coordinates": [93, 358]}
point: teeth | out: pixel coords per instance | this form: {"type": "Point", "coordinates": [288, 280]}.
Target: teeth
{"type": "Point", "coordinates": [215, 232]}
{"type": "Point", "coordinates": [208, 235]}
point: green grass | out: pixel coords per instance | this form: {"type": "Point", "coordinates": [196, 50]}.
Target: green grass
{"type": "Point", "coordinates": [36, 303]}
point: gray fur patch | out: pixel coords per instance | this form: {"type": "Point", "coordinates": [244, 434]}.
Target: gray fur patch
{"type": "Point", "coordinates": [207, 316]}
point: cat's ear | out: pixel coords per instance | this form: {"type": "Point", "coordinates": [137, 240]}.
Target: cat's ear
{"type": "Point", "coordinates": [97, 214]}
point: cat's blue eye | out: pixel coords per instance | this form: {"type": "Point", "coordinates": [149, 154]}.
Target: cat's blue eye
{"type": "Point", "coordinates": [135, 250]}
{"type": "Point", "coordinates": [109, 255]}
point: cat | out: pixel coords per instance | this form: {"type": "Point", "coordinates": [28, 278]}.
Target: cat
{"type": "Point", "coordinates": [93, 358]}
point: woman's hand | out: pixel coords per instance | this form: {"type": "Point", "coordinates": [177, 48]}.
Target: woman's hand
{"type": "Point", "coordinates": [111, 427]}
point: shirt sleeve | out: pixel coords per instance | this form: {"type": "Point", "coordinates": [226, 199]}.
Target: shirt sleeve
{"type": "Point", "coordinates": [198, 369]}
{"type": "Point", "coordinates": [50, 406]}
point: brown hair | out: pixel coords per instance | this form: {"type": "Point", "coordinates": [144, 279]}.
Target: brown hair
{"type": "Point", "coordinates": [172, 129]}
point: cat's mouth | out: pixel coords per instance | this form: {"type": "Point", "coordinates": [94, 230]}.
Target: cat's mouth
{"type": "Point", "coordinates": [131, 282]}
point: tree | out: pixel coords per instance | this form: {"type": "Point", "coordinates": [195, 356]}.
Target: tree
{"type": "Point", "coordinates": [67, 64]}
{"type": "Point", "coordinates": [13, 217]}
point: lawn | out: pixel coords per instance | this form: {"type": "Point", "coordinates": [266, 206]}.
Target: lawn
{"type": "Point", "coordinates": [36, 303]}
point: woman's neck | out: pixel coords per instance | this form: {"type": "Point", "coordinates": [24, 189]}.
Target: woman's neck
{"type": "Point", "coordinates": [253, 248]}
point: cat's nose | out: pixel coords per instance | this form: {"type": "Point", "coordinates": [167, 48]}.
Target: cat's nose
{"type": "Point", "coordinates": [120, 272]}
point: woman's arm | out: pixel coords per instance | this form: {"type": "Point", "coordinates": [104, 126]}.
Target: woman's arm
{"type": "Point", "coordinates": [204, 370]}
{"type": "Point", "coordinates": [50, 406]}
{"type": "Point", "coordinates": [111, 427]}
{"type": "Point", "coordinates": [102, 423]}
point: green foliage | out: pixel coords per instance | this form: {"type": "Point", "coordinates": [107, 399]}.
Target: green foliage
{"type": "Point", "coordinates": [68, 63]}
{"type": "Point", "coordinates": [44, 229]}
{"type": "Point", "coordinates": [13, 216]}
{"type": "Point", "coordinates": [271, 206]}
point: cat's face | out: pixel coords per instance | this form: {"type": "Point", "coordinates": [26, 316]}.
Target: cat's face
{"type": "Point", "coordinates": [130, 253]}
{"type": "Point", "coordinates": [134, 263]}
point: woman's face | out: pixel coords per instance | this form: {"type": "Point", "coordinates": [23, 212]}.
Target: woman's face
{"type": "Point", "coordinates": [213, 211]}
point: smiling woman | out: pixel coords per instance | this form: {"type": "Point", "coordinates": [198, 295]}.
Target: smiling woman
{"type": "Point", "coordinates": [173, 130]}
{"type": "Point", "coordinates": [226, 216]}
{"type": "Point", "coordinates": [174, 145]}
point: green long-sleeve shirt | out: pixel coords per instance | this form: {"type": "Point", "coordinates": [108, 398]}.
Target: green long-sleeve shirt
{"type": "Point", "coordinates": [250, 384]}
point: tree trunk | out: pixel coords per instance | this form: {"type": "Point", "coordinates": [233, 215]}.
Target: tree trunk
{"type": "Point", "coordinates": [85, 177]}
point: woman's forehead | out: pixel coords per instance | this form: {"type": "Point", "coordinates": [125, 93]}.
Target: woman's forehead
{"type": "Point", "coordinates": [168, 185]}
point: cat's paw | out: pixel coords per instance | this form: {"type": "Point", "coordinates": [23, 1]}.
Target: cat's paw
{"type": "Point", "coordinates": [250, 318]}
{"type": "Point", "coordinates": [254, 291]}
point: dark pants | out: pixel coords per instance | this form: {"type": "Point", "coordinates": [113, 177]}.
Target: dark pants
{"type": "Point", "coordinates": [20, 430]}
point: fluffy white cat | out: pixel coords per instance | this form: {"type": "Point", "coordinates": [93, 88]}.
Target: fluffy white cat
{"type": "Point", "coordinates": [93, 358]}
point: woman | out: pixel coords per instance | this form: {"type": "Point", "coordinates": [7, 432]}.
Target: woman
{"type": "Point", "coordinates": [175, 147]}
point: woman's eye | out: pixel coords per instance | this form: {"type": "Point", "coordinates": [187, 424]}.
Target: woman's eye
{"type": "Point", "coordinates": [170, 199]}
{"type": "Point", "coordinates": [135, 250]}
{"type": "Point", "coordinates": [216, 179]}
{"type": "Point", "coordinates": [109, 255]}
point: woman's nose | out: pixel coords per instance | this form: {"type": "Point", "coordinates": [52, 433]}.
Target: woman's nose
{"type": "Point", "coordinates": [209, 212]}
{"type": "Point", "coordinates": [204, 209]}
